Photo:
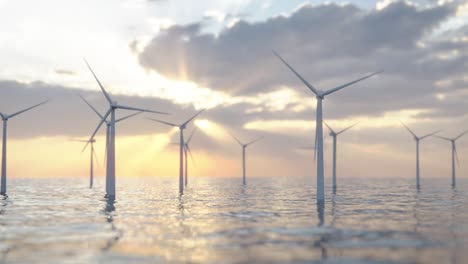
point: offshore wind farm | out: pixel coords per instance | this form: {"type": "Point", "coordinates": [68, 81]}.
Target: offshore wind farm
{"type": "Point", "coordinates": [93, 175]}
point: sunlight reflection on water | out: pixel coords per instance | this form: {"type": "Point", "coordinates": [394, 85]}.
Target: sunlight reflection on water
{"type": "Point", "coordinates": [220, 221]}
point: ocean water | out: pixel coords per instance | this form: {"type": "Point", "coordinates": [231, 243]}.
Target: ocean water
{"type": "Point", "coordinates": [221, 221]}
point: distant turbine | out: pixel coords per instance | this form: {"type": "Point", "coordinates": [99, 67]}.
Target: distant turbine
{"type": "Point", "coordinates": [188, 151]}
{"type": "Point", "coordinates": [320, 95]}
{"type": "Point", "coordinates": [417, 139]}
{"type": "Point", "coordinates": [5, 118]}
{"type": "Point", "coordinates": [108, 127]}
{"type": "Point", "coordinates": [181, 144]}
{"type": "Point", "coordinates": [93, 156]}
{"type": "Point", "coordinates": [244, 146]}
{"type": "Point", "coordinates": [454, 153]}
{"type": "Point", "coordinates": [334, 135]}
{"type": "Point", "coordinates": [110, 184]}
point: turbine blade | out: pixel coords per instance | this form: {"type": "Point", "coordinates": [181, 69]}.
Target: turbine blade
{"type": "Point", "coordinates": [27, 109]}
{"type": "Point", "coordinates": [444, 138]}
{"type": "Point", "coordinates": [99, 83]}
{"type": "Point", "coordinates": [462, 134]}
{"type": "Point", "coordinates": [139, 109]}
{"type": "Point", "coordinates": [310, 86]}
{"type": "Point", "coordinates": [238, 141]}
{"type": "Point", "coordinates": [92, 107]}
{"type": "Point", "coordinates": [107, 145]}
{"type": "Point", "coordinates": [328, 127]}
{"type": "Point", "coordinates": [191, 135]}
{"type": "Point", "coordinates": [182, 137]}
{"type": "Point", "coordinates": [193, 117]}
{"type": "Point", "coordinates": [456, 156]}
{"type": "Point", "coordinates": [190, 154]}
{"type": "Point", "coordinates": [431, 134]}
{"type": "Point", "coordinates": [253, 141]}
{"type": "Point", "coordinates": [409, 130]}
{"type": "Point", "coordinates": [2, 115]}
{"type": "Point", "coordinates": [348, 84]}
{"type": "Point", "coordinates": [162, 122]}
{"type": "Point", "coordinates": [344, 130]}
{"type": "Point", "coordinates": [126, 117]}
{"type": "Point", "coordinates": [96, 158]}
{"type": "Point", "coordinates": [97, 128]}
{"type": "Point", "coordinates": [78, 140]}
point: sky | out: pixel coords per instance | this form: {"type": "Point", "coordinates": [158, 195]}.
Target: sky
{"type": "Point", "coordinates": [183, 56]}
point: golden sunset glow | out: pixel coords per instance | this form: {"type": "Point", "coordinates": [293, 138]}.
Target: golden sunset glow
{"type": "Point", "coordinates": [212, 129]}
{"type": "Point", "coordinates": [175, 64]}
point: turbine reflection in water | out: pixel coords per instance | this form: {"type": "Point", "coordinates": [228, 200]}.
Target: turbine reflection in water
{"type": "Point", "coordinates": [322, 242]}
{"type": "Point", "coordinates": [269, 221]}
{"type": "Point", "coordinates": [109, 213]}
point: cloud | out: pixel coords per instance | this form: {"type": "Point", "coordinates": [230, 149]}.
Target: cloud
{"type": "Point", "coordinates": [66, 115]}
{"type": "Point", "coordinates": [254, 94]}
{"type": "Point", "coordinates": [329, 44]}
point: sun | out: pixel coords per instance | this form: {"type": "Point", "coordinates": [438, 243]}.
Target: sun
{"type": "Point", "coordinates": [211, 128]}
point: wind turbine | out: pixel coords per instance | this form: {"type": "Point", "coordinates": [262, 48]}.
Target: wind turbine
{"type": "Point", "coordinates": [320, 95]}
{"type": "Point", "coordinates": [417, 139]}
{"type": "Point", "coordinates": [93, 156]}
{"type": "Point", "coordinates": [244, 146]}
{"type": "Point", "coordinates": [335, 135]}
{"type": "Point", "coordinates": [108, 127]}
{"type": "Point", "coordinates": [110, 179]}
{"type": "Point", "coordinates": [188, 151]}
{"type": "Point", "coordinates": [454, 153]}
{"type": "Point", "coordinates": [181, 144]}
{"type": "Point", "coordinates": [5, 118]}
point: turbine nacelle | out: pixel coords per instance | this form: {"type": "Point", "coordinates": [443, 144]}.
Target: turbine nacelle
{"type": "Point", "coordinates": [320, 94]}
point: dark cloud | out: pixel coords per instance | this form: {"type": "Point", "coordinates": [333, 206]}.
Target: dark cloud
{"type": "Point", "coordinates": [329, 44]}
{"type": "Point", "coordinates": [67, 115]}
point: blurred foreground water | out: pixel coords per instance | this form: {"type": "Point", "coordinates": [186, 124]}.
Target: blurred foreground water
{"type": "Point", "coordinates": [220, 221]}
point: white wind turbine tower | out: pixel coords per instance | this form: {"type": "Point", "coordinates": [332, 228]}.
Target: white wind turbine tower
{"type": "Point", "coordinates": [320, 95]}
{"type": "Point", "coordinates": [93, 156]}
{"type": "Point", "coordinates": [335, 135]}
{"type": "Point", "coordinates": [186, 152]}
{"type": "Point", "coordinates": [181, 144]}
{"type": "Point", "coordinates": [417, 139]}
{"type": "Point", "coordinates": [454, 153]}
{"type": "Point", "coordinates": [244, 146]}
{"type": "Point", "coordinates": [110, 184]}
{"type": "Point", "coordinates": [108, 127]}
{"type": "Point", "coordinates": [5, 118]}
